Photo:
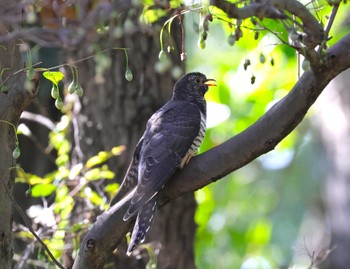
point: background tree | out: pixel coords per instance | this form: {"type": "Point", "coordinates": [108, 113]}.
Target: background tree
{"type": "Point", "coordinates": [103, 46]}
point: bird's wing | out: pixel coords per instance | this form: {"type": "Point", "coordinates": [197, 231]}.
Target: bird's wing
{"type": "Point", "coordinates": [131, 176]}
{"type": "Point", "coordinates": [169, 134]}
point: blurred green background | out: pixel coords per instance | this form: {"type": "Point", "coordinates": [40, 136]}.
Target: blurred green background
{"type": "Point", "coordinates": [269, 213]}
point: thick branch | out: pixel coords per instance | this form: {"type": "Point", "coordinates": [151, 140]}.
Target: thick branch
{"type": "Point", "coordinates": [214, 164]}
{"type": "Point", "coordinates": [274, 9]}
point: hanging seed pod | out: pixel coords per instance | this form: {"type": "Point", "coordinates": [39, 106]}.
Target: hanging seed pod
{"type": "Point", "coordinates": [79, 91]}
{"type": "Point", "coordinates": [16, 152]}
{"type": "Point", "coordinates": [4, 89]}
{"type": "Point", "coordinates": [204, 35]}
{"type": "Point", "coordinates": [128, 75]}
{"type": "Point", "coordinates": [262, 58]}
{"type": "Point", "coordinates": [256, 35]}
{"type": "Point", "coordinates": [201, 43]}
{"type": "Point", "coordinates": [162, 56]}
{"type": "Point", "coordinates": [73, 86]}
{"type": "Point", "coordinates": [54, 91]}
{"type": "Point", "coordinates": [252, 79]}
{"type": "Point", "coordinates": [231, 39]}
{"type": "Point", "coordinates": [59, 103]}
{"type": "Point", "coordinates": [253, 20]}
{"type": "Point", "coordinates": [246, 64]}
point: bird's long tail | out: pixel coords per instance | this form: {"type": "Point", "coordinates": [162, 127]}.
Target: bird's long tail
{"type": "Point", "coordinates": [143, 223]}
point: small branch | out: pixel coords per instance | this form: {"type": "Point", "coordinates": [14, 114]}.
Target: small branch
{"type": "Point", "coordinates": [331, 20]}
{"type": "Point", "coordinates": [313, 29]}
{"type": "Point", "coordinates": [38, 119]}
{"type": "Point", "coordinates": [260, 9]}
{"type": "Point", "coordinates": [274, 9]}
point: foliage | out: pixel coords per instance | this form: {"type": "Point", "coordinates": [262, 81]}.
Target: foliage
{"type": "Point", "coordinates": [64, 185]}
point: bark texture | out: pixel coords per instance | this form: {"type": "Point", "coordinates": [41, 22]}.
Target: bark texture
{"type": "Point", "coordinates": [11, 106]}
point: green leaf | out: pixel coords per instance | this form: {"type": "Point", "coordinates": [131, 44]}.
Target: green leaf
{"type": "Point", "coordinates": [34, 179]}
{"type": "Point", "coordinates": [94, 198]}
{"type": "Point", "coordinates": [111, 189]}
{"type": "Point", "coordinates": [54, 76]}
{"type": "Point", "coordinates": [93, 174]}
{"type": "Point", "coordinates": [98, 173]}
{"type": "Point", "coordinates": [117, 150]}
{"type": "Point", "coordinates": [43, 190]}
{"type": "Point", "coordinates": [101, 157]}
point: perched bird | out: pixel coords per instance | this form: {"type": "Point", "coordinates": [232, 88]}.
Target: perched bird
{"type": "Point", "coordinates": [172, 136]}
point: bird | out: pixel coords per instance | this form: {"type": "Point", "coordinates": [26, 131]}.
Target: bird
{"type": "Point", "coordinates": [173, 135]}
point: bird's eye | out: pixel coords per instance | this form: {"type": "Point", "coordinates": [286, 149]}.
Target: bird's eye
{"type": "Point", "coordinates": [198, 80]}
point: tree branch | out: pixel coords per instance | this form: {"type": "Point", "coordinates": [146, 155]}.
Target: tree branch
{"type": "Point", "coordinates": [274, 9]}
{"type": "Point", "coordinates": [214, 164]}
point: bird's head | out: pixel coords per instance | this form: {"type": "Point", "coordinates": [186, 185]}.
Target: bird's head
{"type": "Point", "coordinates": [192, 86]}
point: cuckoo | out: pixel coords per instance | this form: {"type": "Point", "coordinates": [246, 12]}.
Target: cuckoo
{"type": "Point", "coordinates": [172, 136]}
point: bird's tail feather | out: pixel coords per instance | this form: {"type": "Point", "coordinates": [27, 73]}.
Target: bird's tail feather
{"type": "Point", "coordinates": [143, 223]}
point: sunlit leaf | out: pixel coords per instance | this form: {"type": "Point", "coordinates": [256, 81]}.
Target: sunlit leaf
{"type": "Point", "coordinates": [259, 232]}
{"type": "Point", "coordinates": [54, 76]}
{"type": "Point", "coordinates": [75, 170]}
{"type": "Point", "coordinates": [93, 174]}
{"type": "Point", "coordinates": [64, 208]}
{"type": "Point", "coordinates": [77, 227]}
{"type": "Point", "coordinates": [62, 159]}
{"type": "Point", "coordinates": [98, 173]}
{"type": "Point", "coordinates": [101, 157]}
{"type": "Point", "coordinates": [56, 243]}
{"type": "Point", "coordinates": [24, 235]}
{"type": "Point", "coordinates": [93, 197]}
{"type": "Point", "coordinates": [112, 189]}
{"type": "Point", "coordinates": [34, 180]}
{"type": "Point", "coordinates": [117, 150]}
{"type": "Point", "coordinates": [43, 190]}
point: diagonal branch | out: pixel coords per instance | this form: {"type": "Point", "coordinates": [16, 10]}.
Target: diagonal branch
{"type": "Point", "coordinates": [214, 164]}
{"type": "Point", "coordinates": [313, 34]}
{"type": "Point", "coordinates": [274, 9]}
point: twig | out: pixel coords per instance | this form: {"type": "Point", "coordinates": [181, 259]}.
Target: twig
{"type": "Point", "coordinates": [38, 119]}
{"type": "Point", "coordinates": [331, 20]}
{"type": "Point", "coordinates": [27, 222]}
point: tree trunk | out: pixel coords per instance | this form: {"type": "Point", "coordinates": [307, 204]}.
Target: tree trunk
{"type": "Point", "coordinates": [114, 111]}
{"type": "Point", "coordinates": [335, 133]}
{"type": "Point", "coordinates": [11, 106]}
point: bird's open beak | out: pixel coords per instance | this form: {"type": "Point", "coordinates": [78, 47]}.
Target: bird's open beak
{"type": "Point", "coordinates": [210, 82]}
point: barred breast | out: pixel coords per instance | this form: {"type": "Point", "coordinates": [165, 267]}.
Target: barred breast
{"type": "Point", "coordinates": [196, 142]}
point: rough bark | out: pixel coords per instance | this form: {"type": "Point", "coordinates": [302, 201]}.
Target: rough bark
{"type": "Point", "coordinates": [11, 106]}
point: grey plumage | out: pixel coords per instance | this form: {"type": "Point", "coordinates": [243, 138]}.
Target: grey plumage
{"type": "Point", "coordinates": [172, 136]}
